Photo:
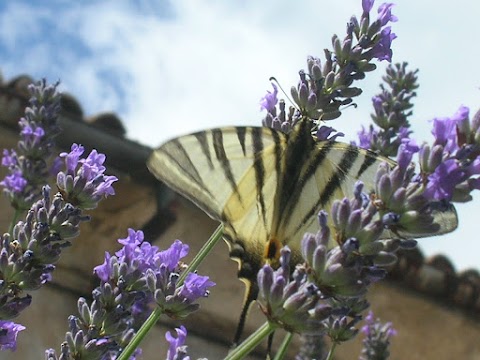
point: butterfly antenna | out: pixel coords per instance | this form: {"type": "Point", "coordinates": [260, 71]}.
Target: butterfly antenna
{"type": "Point", "coordinates": [251, 292]}
{"type": "Point", "coordinates": [273, 79]}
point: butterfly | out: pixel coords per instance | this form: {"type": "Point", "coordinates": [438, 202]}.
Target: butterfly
{"type": "Point", "coordinates": [267, 188]}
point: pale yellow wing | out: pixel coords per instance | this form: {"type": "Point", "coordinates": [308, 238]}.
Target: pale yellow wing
{"type": "Point", "coordinates": [208, 166]}
{"type": "Point", "coordinates": [329, 174]}
{"type": "Point", "coordinates": [263, 184]}
{"type": "Point", "coordinates": [267, 187]}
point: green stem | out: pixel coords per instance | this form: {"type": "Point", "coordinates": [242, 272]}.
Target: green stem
{"type": "Point", "coordinates": [141, 333]}
{"type": "Point", "coordinates": [251, 342]}
{"type": "Point", "coordinates": [155, 315]}
{"type": "Point", "coordinates": [332, 350]}
{"type": "Point", "coordinates": [282, 351]}
{"type": "Point", "coordinates": [204, 251]}
{"type": "Point", "coordinates": [16, 215]}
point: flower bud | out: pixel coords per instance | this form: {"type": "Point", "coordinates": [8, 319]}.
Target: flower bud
{"type": "Point", "coordinates": [435, 158]}
{"type": "Point", "coordinates": [265, 281]}
{"type": "Point", "coordinates": [319, 259]}
{"type": "Point", "coordinates": [384, 188]}
{"type": "Point", "coordinates": [307, 246]}
{"type": "Point", "coordinates": [303, 94]}
{"type": "Point", "coordinates": [329, 80]}
{"type": "Point", "coordinates": [397, 200]}
{"type": "Point", "coordinates": [372, 248]}
{"type": "Point", "coordinates": [311, 101]}
{"type": "Point", "coordinates": [354, 223]}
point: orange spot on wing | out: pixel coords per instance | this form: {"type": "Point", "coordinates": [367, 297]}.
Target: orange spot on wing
{"type": "Point", "coordinates": [271, 253]}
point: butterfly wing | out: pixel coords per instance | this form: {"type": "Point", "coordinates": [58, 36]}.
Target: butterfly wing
{"type": "Point", "coordinates": [267, 187]}
{"type": "Point", "coordinates": [231, 174]}
{"type": "Point", "coordinates": [327, 174]}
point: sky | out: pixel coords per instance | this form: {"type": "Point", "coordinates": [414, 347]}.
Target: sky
{"type": "Point", "coordinates": [172, 67]}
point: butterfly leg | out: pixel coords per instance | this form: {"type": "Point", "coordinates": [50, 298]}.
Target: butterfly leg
{"type": "Point", "coordinates": [251, 293]}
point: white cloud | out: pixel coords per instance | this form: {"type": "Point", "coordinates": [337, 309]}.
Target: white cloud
{"type": "Point", "coordinates": [208, 65]}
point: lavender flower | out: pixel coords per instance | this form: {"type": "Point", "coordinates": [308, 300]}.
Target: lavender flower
{"type": "Point", "coordinates": [178, 302]}
{"type": "Point", "coordinates": [15, 182]}
{"type": "Point", "coordinates": [84, 183]}
{"type": "Point", "coordinates": [327, 86]}
{"type": "Point", "coordinates": [366, 137]}
{"type": "Point", "coordinates": [326, 293]}
{"type": "Point", "coordinates": [134, 280]}
{"type": "Point", "coordinates": [8, 335]}
{"type": "Point", "coordinates": [291, 303]}
{"type": "Point", "coordinates": [367, 5]}
{"type": "Point", "coordinates": [327, 133]}
{"type": "Point", "coordinates": [385, 14]}
{"type": "Point", "coordinates": [450, 168]}
{"type": "Point", "coordinates": [348, 268]}
{"type": "Point", "coordinates": [31, 248]}
{"type": "Point", "coordinates": [27, 165]}
{"type": "Point", "coordinates": [377, 338]}
{"type": "Point", "coordinates": [382, 49]}
{"type": "Point", "coordinates": [177, 349]}
{"type": "Point", "coordinates": [445, 130]}
{"type": "Point", "coordinates": [392, 109]}
{"type": "Point", "coordinates": [270, 100]}
{"type": "Point", "coordinates": [341, 329]}
{"type": "Point", "coordinates": [139, 262]}
{"type": "Point", "coordinates": [442, 182]}
{"type": "Point", "coordinates": [28, 254]}
{"type": "Point", "coordinates": [401, 199]}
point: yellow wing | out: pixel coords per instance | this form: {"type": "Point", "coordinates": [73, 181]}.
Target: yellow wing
{"type": "Point", "coordinates": [209, 167]}
{"type": "Point", "coordinates": [328, 174]}
{"type": "Point", "coordinates": [231, 174]}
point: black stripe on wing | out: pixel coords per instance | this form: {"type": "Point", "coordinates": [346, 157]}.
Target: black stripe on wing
{"type": "Point", "coordinates": [310, 167]}
{"type": "Point", "coordinates": [370, 159]}
{"type": "Point", "coordinates": [347, 162]}
{"type": "Point", "coordinates": [179, 156]}
{"type": "Point", "coordinates": [259, 167]}
{"type": "Point", "coordinates": [278, 152]}
{"type": "Point", "coordinates": [217, 137]}
{"type": "Point", "coordinates": [203, 141]}
{"type": "Point", "coordinates": [241, 131]}
{"type": "Point", "coordinates": [334, 183]}
{"type": "Point", "coordinates": [297, 153]}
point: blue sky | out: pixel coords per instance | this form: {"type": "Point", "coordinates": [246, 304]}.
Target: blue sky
{"type": "Point", "coordinates": [171, 67]}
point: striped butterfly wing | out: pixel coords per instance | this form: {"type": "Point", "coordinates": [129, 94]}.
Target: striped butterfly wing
{"type": "Point", "coordinates": [316, 174]}
{"type": "Point", "coordinates": [231, 174]}
{"type": "Point", "coordinates": [267, 187]}
{"type": "Point", "coordinates": [328, 175]}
